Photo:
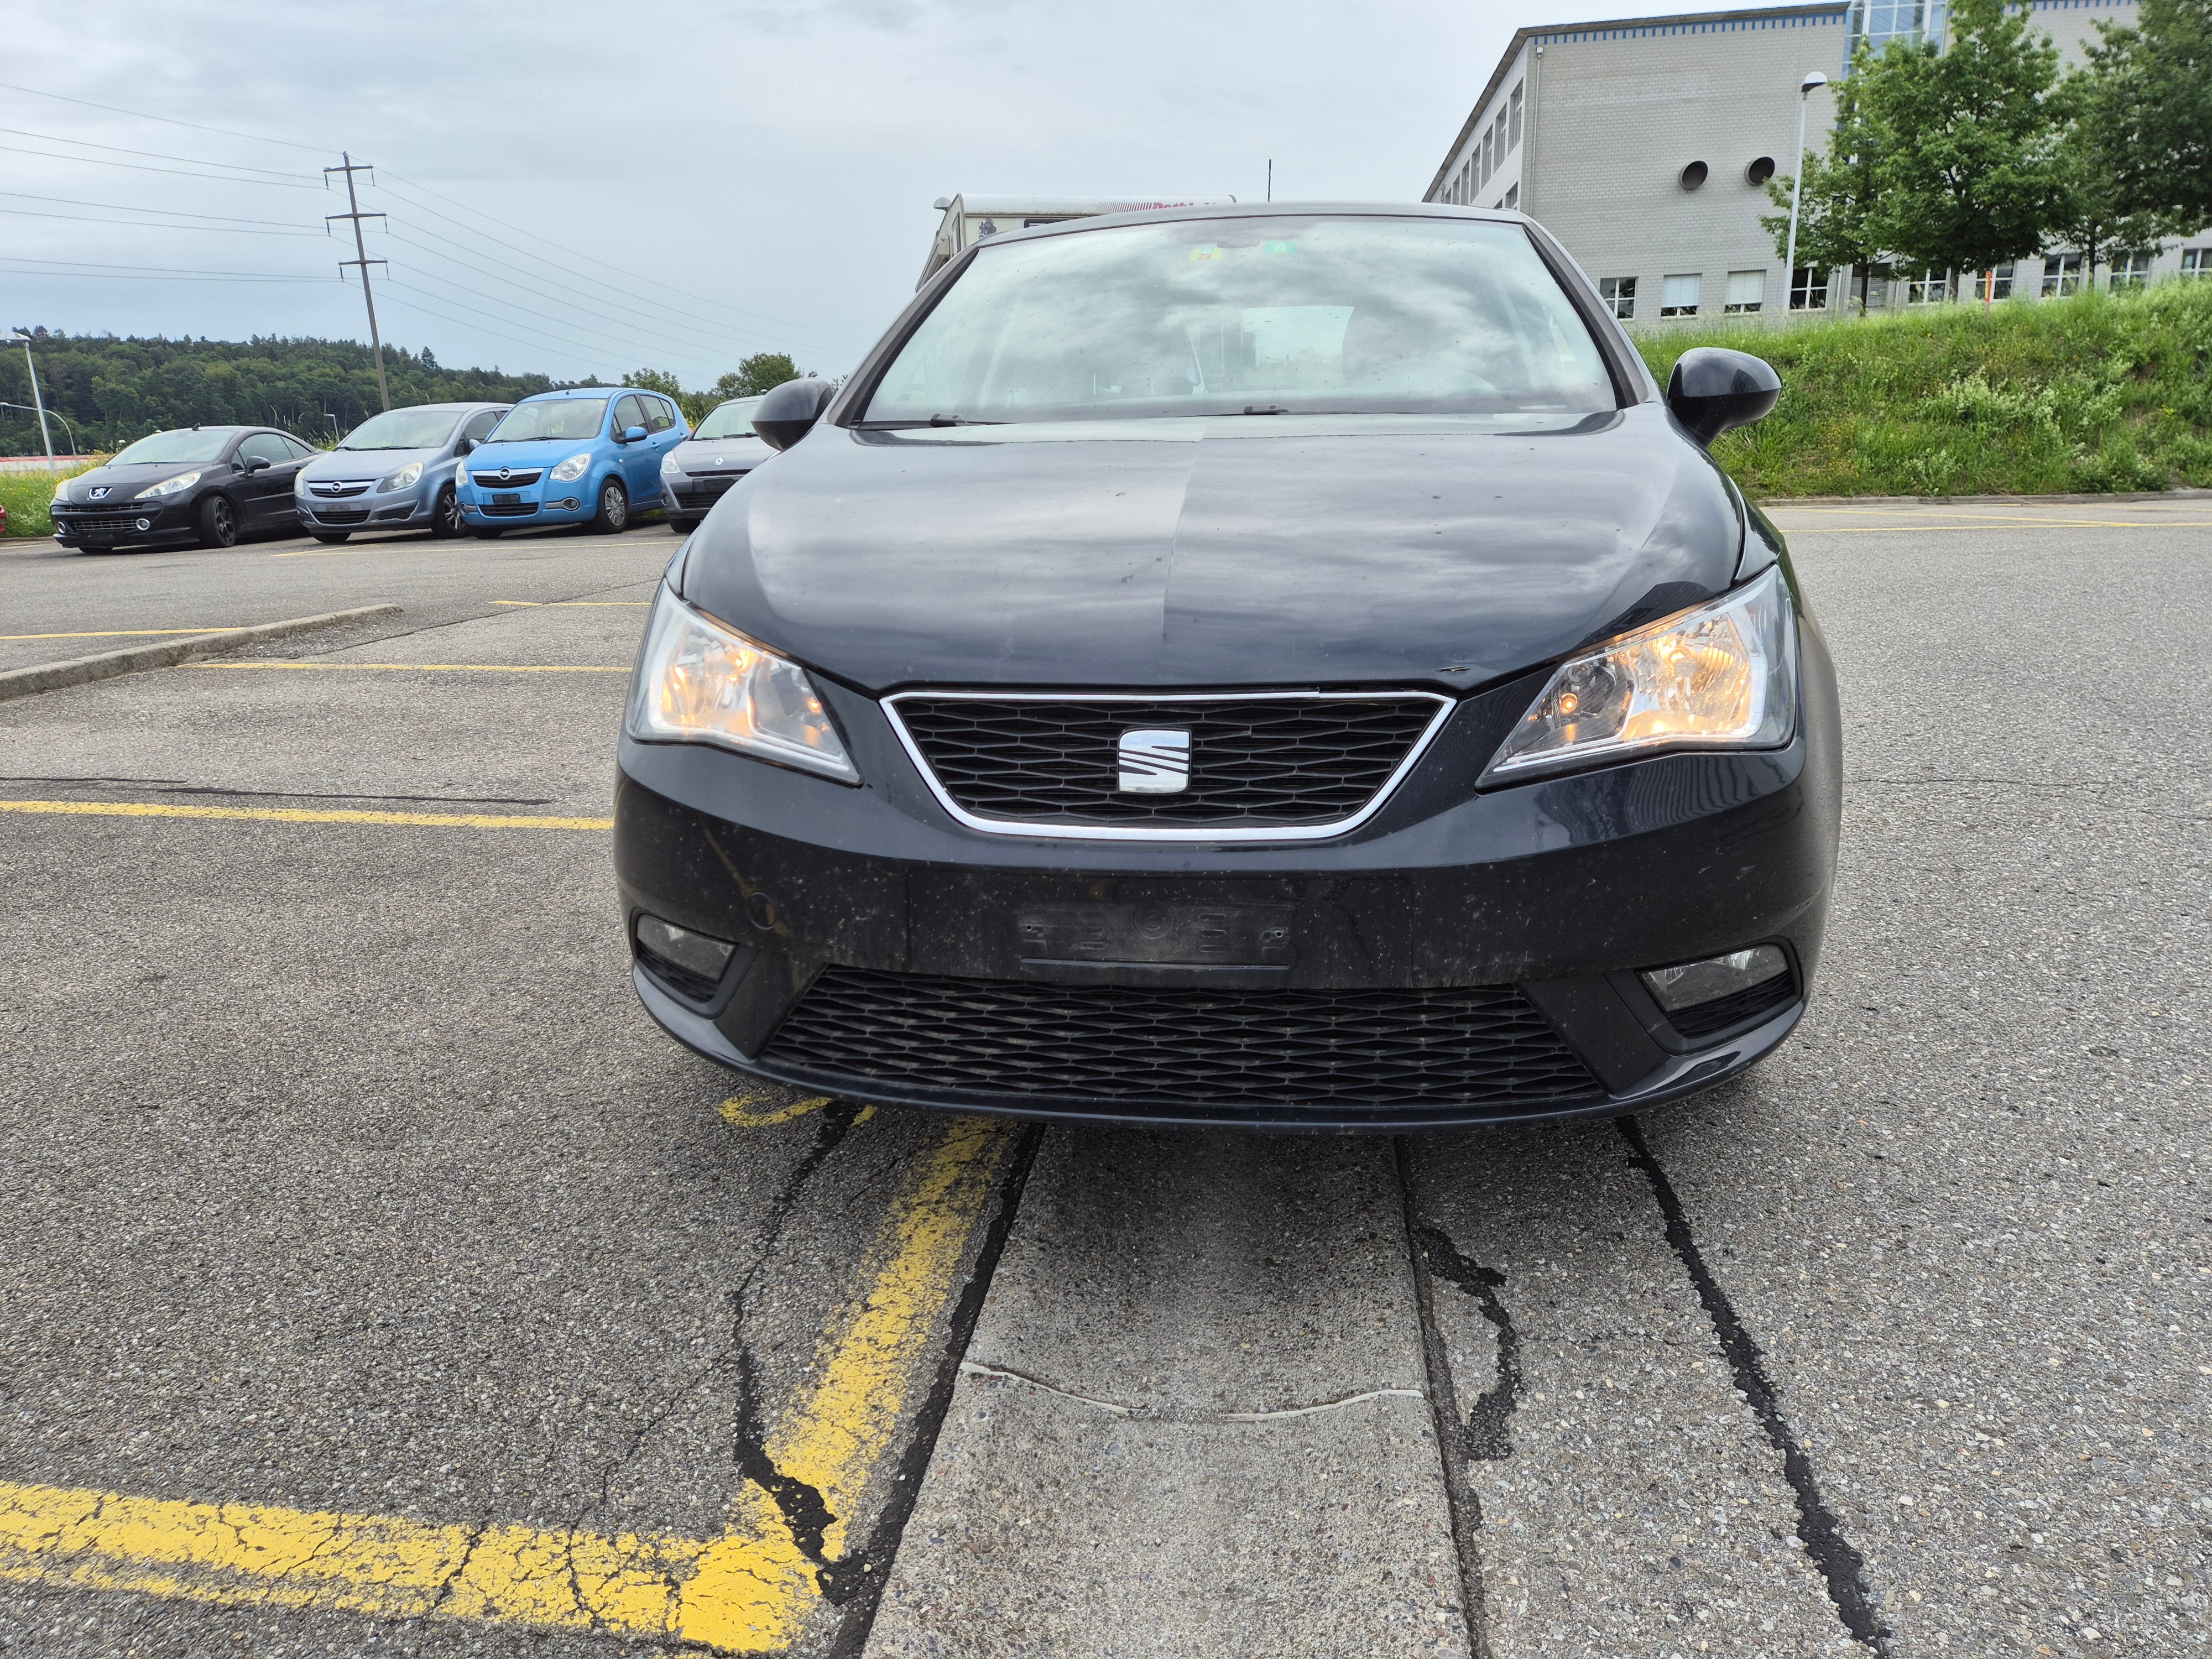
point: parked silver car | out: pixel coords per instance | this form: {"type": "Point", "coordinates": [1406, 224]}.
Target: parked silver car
{"type": "Point", "coordinates": [697, 471]}
{"type": "Point", "coordinates": [393, 471]}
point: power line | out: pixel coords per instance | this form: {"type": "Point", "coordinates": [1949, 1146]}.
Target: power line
{"type": "Point", "coordinates": [141, 224]}
{"type": "Point", "coordinates": [169, 271]}
{"type": "Point", "coordinates": [141, 115]}
{"type": "Point", "coordinates": [536, 344]}
{"type": "Point", "coordinates": [627, 343]}
{"type": "Point", "coordinates": [125, 207]}
{"type": "Point", "coordinates": [140, 166]}
{"type": "Point", "coordinates": [154, 155]}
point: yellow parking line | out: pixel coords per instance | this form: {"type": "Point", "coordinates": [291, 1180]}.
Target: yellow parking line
{"type": "Point", "coordinates": [747, 1591]}
{"type": "Point", "coordinates": [129, 809]}
{"type": "Point", "coordinates": [431, 667]}
{"type": "Point", "coordinates": [579, 604]}
{"type": "Point", "coordinates": [2054, 524]}
{"type": "Point", "coordinates": [124, 633]}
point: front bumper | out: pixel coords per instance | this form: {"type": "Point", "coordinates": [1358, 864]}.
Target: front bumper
{"type": "Point", "coordinates": [100, 524]}
{"type": "Point", "coordinates": [1551, 894]}
{"type": "Point", "coordinates": [692, 497]}
{"type": "Point", "coordinates": [396, 509]}
{"type": "Point", "coordinates": [543, 502]}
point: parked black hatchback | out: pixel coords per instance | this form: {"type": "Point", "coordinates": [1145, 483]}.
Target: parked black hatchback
{"type": "Point", "coordinates": [1267, 665]}
{"type": "Point", "coordinates": [210, 484]}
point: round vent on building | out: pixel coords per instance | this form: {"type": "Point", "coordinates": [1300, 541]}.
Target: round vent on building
{"type": "Point", "coordinates": [1759, 171]}
{"type": "Point", "coordinates": [1694, 175]}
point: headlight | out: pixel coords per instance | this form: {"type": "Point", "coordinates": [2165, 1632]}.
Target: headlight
{"type": "Point", "coordinates": [1724, 676]}
{"type": "Point", "coordinates": [572, 469]}
{"type": "Point", "coordinates": [299, 484]}
{"type": "Point", "coordinates": [698, 682]}
{"type": "Point", "coordinates": [167, 486]}
{"type": "Point", "coordinates": [407, 475]}
{"type": "Point", "coordinates": [668, 467]}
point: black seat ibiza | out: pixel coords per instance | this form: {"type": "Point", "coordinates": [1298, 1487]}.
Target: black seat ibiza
{"type": "Point", "coordinates": [1268, 665]}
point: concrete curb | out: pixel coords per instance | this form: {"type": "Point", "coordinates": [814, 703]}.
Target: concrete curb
{"type": "Point", "coordinates": [1770, 503]}
{"type": "Point", "coordinates": [133, 659]}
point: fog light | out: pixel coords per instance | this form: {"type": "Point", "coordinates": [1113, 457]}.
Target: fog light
{"type": "Point", "coordinates": [570, 502]}
{"type": "Point", "coordinates": [690, 963]}
{"type": "Point", "coordinates": [145, 524]}
{"type": "Point", "coordinates": [1693, 983]}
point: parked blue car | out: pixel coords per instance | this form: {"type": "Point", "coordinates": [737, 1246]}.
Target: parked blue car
{"type": "Point", "coordinates": [590, 455]}
{"type": "Point", "coordinates": [393, 471]}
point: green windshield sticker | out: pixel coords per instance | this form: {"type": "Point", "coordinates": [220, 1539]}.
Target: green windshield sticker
{"type": "Point", "coordinates": [1279, 247]}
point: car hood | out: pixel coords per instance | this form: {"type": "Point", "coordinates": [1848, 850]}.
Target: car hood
{"type": "Point", "coordinates": [532, 453]}
{"type": "Point", "coordinates": [124, 481]}
{"type": "Point", "coordinates": [369, 463]}
{"type": "Point", "coordinates": [1275, 550]}
{"type": "Point", "coordinates": [734, 453]}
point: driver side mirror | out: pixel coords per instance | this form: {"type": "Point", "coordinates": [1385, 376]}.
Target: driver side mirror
{"type": "Point", "coordinates": [464, 446]}
{"type": "Point", "coordinates": [789, 413]}
{"type": "Point", "coordinates": [1713, 389]}
{"type": "Point", "coordinates": [632, 435]}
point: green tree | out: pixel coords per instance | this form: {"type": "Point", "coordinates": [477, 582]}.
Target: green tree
{"type": "Point", "coordinates": [2157, 80]}
{"type": "Point", "coordinates": [1842, 187]}
{"type": "Point", "coordinates": [2095, 215]}
{"type": "Point", "coordinates": [1970, 174]}
{"type": "Point", "coordinates": [695, 404]}
{"type": "Point", "coordinates": [764, 371]}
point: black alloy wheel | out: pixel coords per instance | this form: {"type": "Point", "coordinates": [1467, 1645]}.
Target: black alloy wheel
{"type": "Point", "coordinates": [332, 536]}
{"type": "Point", "coordinates": [613, 516]}
{"type": "Point", "coordinates": [216, 521]}
{"type": "Point", "coordinates": [446, 516]}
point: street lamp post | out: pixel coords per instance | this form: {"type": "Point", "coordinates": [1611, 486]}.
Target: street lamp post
{"type": "Point", "coordinates": [67, 428]}
{"type": "Point", "coordinates": [1797, 188]}
{"type": "Point", "coordinates": [44, 433]}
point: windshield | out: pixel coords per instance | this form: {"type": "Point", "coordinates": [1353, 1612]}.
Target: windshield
{"type": "Point", "coordinates": [167, 449]}
{"type": "Point", "coordinates": [731, 420]}
{"type": "Point", "coordinates": [404, 428]}
{"type": "Point", "coordinates": [556, 417]}
{"type": "Point", "coordinates": [1287, 315]}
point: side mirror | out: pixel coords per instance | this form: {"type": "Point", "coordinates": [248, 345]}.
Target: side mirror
{"type": "Point", "coordinates": [463, 446]}
{"type": "Point", "coordinates": [1713, 389]}
{"type": "Point", "coordinates": [789, 413]}
{"type": "Point", "coordinates": [256, 464]}
{"type": "Point", "coordinates": [632, 435]}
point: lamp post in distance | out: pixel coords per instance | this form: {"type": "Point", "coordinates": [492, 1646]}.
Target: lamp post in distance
{"type": "Point", "coordinates": [37, 398]}
{"type": "Point", "coordinates": [1797, 191]}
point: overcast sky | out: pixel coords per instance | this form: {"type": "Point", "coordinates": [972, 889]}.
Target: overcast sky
{"type": "Point", "coordinates": [587, 188]}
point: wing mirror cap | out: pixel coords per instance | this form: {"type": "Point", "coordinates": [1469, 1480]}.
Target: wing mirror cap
{"type": "Point", "coordinates": [256, 463]}
{"type": "Point", "coordinates": [632, 435]}
{"type": "Point", "coordinates": [789, 413]}
{"type": "Point", "coordinates": [463, 446]}
{"type": "Point", "coordinates": [1713, 389]}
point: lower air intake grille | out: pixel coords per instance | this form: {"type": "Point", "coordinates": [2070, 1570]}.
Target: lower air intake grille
{"type": "Point", "coordinates": [1137, 1049]}
{"type": "Point", "coordinates": [507, 509]}
{"type": "Point", "coordinates": [341, 514]}
{"type": "Point", "coordinates": [1255, 761]}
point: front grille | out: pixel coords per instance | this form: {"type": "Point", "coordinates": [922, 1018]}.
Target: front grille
{"type": "Point", "coordinates": [337, 491]}
{"type": "Point", "coordinates": [704, 491]}
{"type": "Point", "coordinates": [77, 518]}
{"type": "Point", "coordinates": [508, 509]}
{"type": "Point", "coordinates": [340, 515]}
{"type": "Point", "coordinates": [1140, 1050]}
{"type": "Point", "coordinates": [515, 481]}
{"type": "Point", "coordinates": [1255, 761]}
{"type": "Point", "coordinates": [1735, 1008]}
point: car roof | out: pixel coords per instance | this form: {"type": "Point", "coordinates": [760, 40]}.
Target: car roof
{"type": "Point", "coordinates": [580, 391]}
{"type": "Point", "coordinates": [1262, 210]}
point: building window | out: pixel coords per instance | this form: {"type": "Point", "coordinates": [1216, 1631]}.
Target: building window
{"type": "Point", "coordinates": [1677, 295]}
{"type": "Point", "coordinates": [2061, 275]}
{"type": "Point", "coordinates": [1618, 293]}
{"type": "Point", "coordinates": [1930, 287]}
{"type": "Point", "coordinates": [1489, 157]}
{"type": "Point", "coordinates": [1808, 289]}
{"type": "Point", "coordinates": [1747, 290]}
{"type": "Point", "coordinates": [1513, 196]}
{"type": "Point", "coordinates": [1876, 23]}
{"type": "Point", "coordinates": [1513, 128]}
{"type": "Point", "coordinates": [2131, 270]}
{"type": "Point", "coordinates": [2196, 262]}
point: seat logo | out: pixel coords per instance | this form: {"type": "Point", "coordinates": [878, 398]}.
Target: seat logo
{"type": "Point", "coordinates": [1154, 762]}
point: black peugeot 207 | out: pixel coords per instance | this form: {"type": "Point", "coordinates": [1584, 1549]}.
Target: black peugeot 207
{"type": "Point", "coordinates": [209, 485]}
{"type": "Point", "coordinates": [1263, 665]}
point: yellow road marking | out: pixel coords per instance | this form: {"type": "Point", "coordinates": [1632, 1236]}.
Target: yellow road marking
{"type": "Point", "coordinates": [752, 1111]}
{"type": "Point", "coordinates": [747, 1591]}
{"type": "Point", "coordinates": [129, 809]}
{"type": "Point", "coordinates": [579, 604]}
{"type": "Point", "coordinates": [431, 667]}
{"type": "Point", "coordinates": [126, 633]}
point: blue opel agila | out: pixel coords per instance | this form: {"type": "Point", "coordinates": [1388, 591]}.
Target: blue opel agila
{"type": "Point", "coordinates": [589, 455]}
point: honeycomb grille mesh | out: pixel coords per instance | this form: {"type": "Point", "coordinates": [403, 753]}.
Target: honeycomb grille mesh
{"type": "Point", "coordinates": [1138, 1049]}
{"type": "Point", "coordinates": [1253, 762]}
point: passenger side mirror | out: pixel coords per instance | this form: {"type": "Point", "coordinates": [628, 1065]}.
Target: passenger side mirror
{"type": "Point", "coordinates": [464, 446]}
{"type": "Point", "coordinates": [256, 464]}
{"type": "Point", "coordinates": [632, 435]}
{"type": "Point", "coordinates": [1713, 389]}
{"type": "Point", "coordinates": [789, 413]}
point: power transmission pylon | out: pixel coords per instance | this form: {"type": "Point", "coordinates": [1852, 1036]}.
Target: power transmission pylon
{"type": "Point", "coordinates": [362, 262]}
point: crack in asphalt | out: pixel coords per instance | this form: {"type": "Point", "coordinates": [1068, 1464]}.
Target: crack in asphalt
{"type": "Point", "coordinates": [178, 787]}
{"type": "Point", "coordinates": [1485, 1434]}
{"type": "Point", "coordinates": [1462, 1503]}
{"type": "Point", "coordinates": [1840, 1565]}
{"type": "Point", "coordinates": [1173, 1414]}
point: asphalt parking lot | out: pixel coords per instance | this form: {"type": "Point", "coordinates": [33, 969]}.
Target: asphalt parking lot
{"type": "Point", "coordinates": [375, 1278]}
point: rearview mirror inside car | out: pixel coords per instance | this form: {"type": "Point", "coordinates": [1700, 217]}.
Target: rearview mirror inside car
{"type": "Point", "coordinates": [1713, 389]}
{"type": "Point", "coordinates": [789, 413]}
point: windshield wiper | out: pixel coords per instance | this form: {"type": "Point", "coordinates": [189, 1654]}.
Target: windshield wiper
{"type": "Point", "coordinates": [1254, 409]}
{"type": "Point", "coordinates": [960, 420]}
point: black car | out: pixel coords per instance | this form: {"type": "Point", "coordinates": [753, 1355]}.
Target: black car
{"type": "Point", "coordinates": [209, 485]}
{"type": "Point", "coordinates": [698, 472]}
{"type": "Point", "coordinates": [1252, 666]}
